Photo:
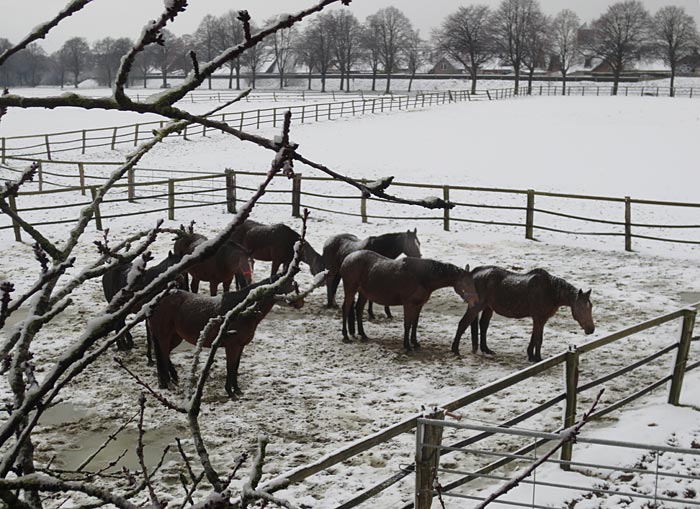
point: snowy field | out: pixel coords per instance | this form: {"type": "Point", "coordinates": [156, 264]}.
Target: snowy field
{"type": "Point", "coordinates": [310, 392]}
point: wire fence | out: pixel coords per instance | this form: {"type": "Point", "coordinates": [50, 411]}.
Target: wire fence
{"type": "Point", "coordinates": [532, 213]}
{"type": "Point", "coordinates": [80, 141]}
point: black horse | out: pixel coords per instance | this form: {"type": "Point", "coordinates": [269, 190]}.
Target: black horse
{"type": "Point", "coordinates": [116, 278]}
{"type": "Point", "coordinates": [536, 294]}
{"type": "Point", "coordinates": [391, 245]}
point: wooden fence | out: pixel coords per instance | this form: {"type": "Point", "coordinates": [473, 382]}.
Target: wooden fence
{"type": "Point", "coordinates": [48, 145]}
{"type": "Point", "coordinates": [570, 360]}
{"type": "Point", "coordinates": [509, 208]}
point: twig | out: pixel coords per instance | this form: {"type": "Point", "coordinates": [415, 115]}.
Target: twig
{"type": "Point", "coordinates": [165, 401]}
{"type": "Point", "coordinates": [139, 453]}
{"type": "Point", "coordinates": [106, 442]}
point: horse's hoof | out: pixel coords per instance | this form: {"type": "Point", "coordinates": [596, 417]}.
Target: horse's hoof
{"type": "Point", "coordinates": [150, 362]}
{"type": "Point", "coordinates": [487, 351]}
{"type": "Point", "coordinates": [346, 340]}
{"type": "Point", "coordinates": [456, 353]}
{"type": "Point", "coordinates": [416, 346]}
{"type": "Point", "coordinates": [363, 338]}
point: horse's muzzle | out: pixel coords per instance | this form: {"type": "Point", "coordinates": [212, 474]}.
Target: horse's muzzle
{"type": "Point", "coordinates": [589, 330]}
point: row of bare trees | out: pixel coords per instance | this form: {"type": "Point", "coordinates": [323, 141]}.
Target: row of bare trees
{"type": "Point", "coordinates": [523, 37]}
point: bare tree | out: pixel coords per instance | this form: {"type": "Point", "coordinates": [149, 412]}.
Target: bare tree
{"type": "Point", "coordinates": [675, 35]}
{"type": "Point", "coordinates": [620, 35]}
{"type": "Point", "coordinates": [537, 44]}
{"type": "Point", "coordinates": [346, 38]}
{"type": "Point", "coordinates": [565, 42]}
{"type": "Point", "coordinates": [393, 29]}
{"type": "Point", "coordinates": [168, 55]}
{"type": "Point", "coordinates": [283, 43]}
{"type": "Point", "coordinates": [230, 33]}
{"type": "Point", "coordinates": [315, 47]}
{"type": "Point", "coordinates": [466, 35]}
{"type": "Point", "coordinates": [145, 62]}
{"type": "Point", "coordinates": [76, 55]}
{"type": "Point", "coordinates": [370, 41]}
{"type": "Point", "coordinates": [206, 39]}
{"type": "Point", "coordinates": [413, 55]}
{"type": "Point", "coordinates": [511, 23]}
{"type": "Point", "coordinates": [107, 54]}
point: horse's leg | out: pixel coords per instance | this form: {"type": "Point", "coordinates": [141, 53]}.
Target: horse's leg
{"type": "Point", "coordinates": [195, 285]}
{"type": "Point", "coordinates": [226, 285]}
{"type": "Point", "coordinates": [370, 311]}
{"type": "Point", "coordinates": [348, 313]}
{"type": "Point", "coordinates": [213, 288]}
{"type": "Point", "coordinates": [484, 326]}
{"type": "Point", "coordinates": [240, 281]}
{"type": "Point", "coordinates": [359, 312]}
{"type": "Point", "coordinates": [533, 349]}
{"type": "Point", "coordinates": [233, 360]}
{"type": "Point", "coordinates": [149, 345]}
{"type": "Point", "coordinates": [407, 323]}
{"type": "Point", "coordinates": [387, 310]}
{"type": "Point", "coordinates": [162, 350]}
{"type": "Point", "coordinates": [331, 288]}
{"type": "Point", "coordinates": [122, 342]}
{"type": "Point", "coordinates": [414, 330]}
{"type": "Point", "coordinates": [469, 317]}
{"type": "Point", "coordinates": [275, 267]}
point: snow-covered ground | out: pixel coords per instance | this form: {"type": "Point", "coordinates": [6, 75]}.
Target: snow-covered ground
{"type": "Point", "coordinates": [310, 392]}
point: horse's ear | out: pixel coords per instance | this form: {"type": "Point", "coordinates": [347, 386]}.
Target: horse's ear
{"type": "Point", "coordinates": [415, 231]}
{"type": "Point", "coordinates": [588, 294]}
{"type": "Point", "coordinates": [466, 267]}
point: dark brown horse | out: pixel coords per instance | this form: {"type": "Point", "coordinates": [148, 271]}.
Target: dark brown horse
{"type": "Point", "coordinates": [391, 245]}
{"type": "Point", "coordinates": [536, 294]}
{"type": "Point", "coordinates": [183, 315]}
{"type": "Point", "coordinates": [406, 282]}
{"type": "Point", "coordinates": [229, 261]}
{"type": "Point", "coordinates": [275, 243]}
{"type": "Point", "coordinates": [117, 277]}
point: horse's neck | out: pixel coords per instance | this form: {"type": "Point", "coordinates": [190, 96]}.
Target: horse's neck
{"type": "Point", "coordinates": [387, 245]}
{"type": "Point", "coordinates": [566, 292]}
{"type": "Point", "coordinates": [441, 274]}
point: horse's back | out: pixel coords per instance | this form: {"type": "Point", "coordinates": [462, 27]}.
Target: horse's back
{"type": "Point", "coordinates": [514, 294]}
{"type": "Point", "coordinates": [337, 248]}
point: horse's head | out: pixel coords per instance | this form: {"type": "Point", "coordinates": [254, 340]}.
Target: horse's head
{"type": "Point", "coordinates": [246, 268]}
{"type": "Point", "coordinates": [465, 288]}
{"type": "Point", "coordinates": [411, 244]}
{"type": "Point", "coordinates": [582, 309]}
{"type": "Point", "coordinates": [181, 280]}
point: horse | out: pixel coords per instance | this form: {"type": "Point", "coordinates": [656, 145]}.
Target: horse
{"type": "Point", "coordinates": [391, 245]}
{"type": "Point", "coordinates": [116, 278]}
{"type": "Point", "coordinates": [536, 294]}
{"type": "Point", "coordinates": [408, 282]}
{"type": "Point", "coordinates": [183, 315]}
{"type": "Point", "coordinates": [275, 243]}
{"type": "Point", "coordinates": [229, 261]}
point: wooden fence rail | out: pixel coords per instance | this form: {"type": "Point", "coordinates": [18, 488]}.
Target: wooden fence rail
{"type": "Point", "coordinates": [193, 187]}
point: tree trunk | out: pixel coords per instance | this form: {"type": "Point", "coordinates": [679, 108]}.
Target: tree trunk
{"type": "Point", "coordinates": [374, 80]}
{"type": "Point", "coordinates": [342, 80]}
{"type": "Point", "coordinates": [516, 86]}
{"type": "Point", "coordinates": [616, 81]}
{"type": "Point", "coordinates": [563, 83]}
{"type": "Point", "coordinates": [253, 83]}
{"type": "Point", "coordinates": [230, 78]}
{"type": "Point", "coordinates": [75, 79]}
{"type": "Point", "coordinates": [281, 80]}
{"type": "Point", "coordinates": [672, 92]}
{"type": "Point", "coordinates": [529, 81]}
{"type": "Point", "coordinates": [164, 75]}
{"type": "Point", "coordinates": [238, 77]}
{"type": "Point", "coordinates": [323, 82]}
{"type": "Point", "coordinates": [309, 81]}
{"type": "Point", "coordinates": [388, 83]}
{"type": "Point", "coordinates": [474, 78]}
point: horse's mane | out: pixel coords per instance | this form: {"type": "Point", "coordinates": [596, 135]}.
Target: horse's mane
{"type": "Point", "coordinates": [441, 268]}
{"type": "Point", "coordinates": [564, 289]}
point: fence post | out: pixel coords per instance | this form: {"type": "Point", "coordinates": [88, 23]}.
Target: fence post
{"type": "Point", "coordinates": [628, 223]}
{"type": "Point", "coordinates": [171, 199]}
{"type": "Point", "coordinates": [96, 209]}
{"type": "Point", "coordinates": [428, 441]}
{"type": "Point", "coordinates": [296, 195]}
{"type": "Point", "coordinates": [2, 150]}
{"type": "Point", "coordinates": [571, 378]}
{"type": "Point", "coordinates": [363, 204]}
{"type": "Point", "coordinates": [131, 190]}
{"type": "Point", "coordinates": [81, 176]}
{"type": "Point", "coordinates": [136, 134]}
{"type": "Point", "coordinates": [15, 225]}
{"type": "Point", "coordinates": [48, 147]}
{"type": "Point", "coordinates": [682, 356]}
{"type": "Point", "coordinates": [114, 137]}
{"type": "Point", "coordinates": [446, 210]}
{"type": "Point", "coordinates": [84, 140]}
{"type": "Point", "coordinates": [258, 120]}
{"type": "Point", "coordinates": [231, 191]}
{"type": "Point", "coordinates": [40, 175]}
{"type": "Point", "coordinates": [530, 215]}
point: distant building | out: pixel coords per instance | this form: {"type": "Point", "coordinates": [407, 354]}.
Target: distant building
{"type": "Point", "coordinates": [690, 65]}
{"type": "Point", "coordinates": [446, 65]}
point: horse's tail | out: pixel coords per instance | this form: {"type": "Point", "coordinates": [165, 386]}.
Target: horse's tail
{"type": "Point", "coordinates": [313, 259]}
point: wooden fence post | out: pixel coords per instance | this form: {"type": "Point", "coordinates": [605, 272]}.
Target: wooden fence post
{"type": "Point", "coordinates": [136, 134]}
{"type": "Point", "coordinates": [2, 150]}
{"type": "Point", "coordinates": [114, 138]}
{"type": "Point", "coordinates": [530, 215]}
{"type": "Point", "coordinates": [171, 199]}
{"type": "Point", "coordinates": [682, 356]}
{"type": "Point", "coordinates": [628, 223]}
{"type": "Point", "coordinates": [15, 225]}
{"type": "Point", "coordinates": [571, 378]}
{"type": "Point", "coordinates": [130, 180]}
{"type": "Point", "coordinates": [296, 195]}
{"type": "Point", "coordinates": [96, 208]}
{"type": "Point", "coordinates": [48, 147]}
{"type": "Point", "coordinates": [81, 176]}
{"type": "Point", "coordinates": [363, 204]}
{"type": "Point", "coordinates": [84, 140]}
{"type": "Point", "coordinates": [40, 175]}
{"type": "Point", "coordinates": [231, 191]}
{"type": "Point", "coordinates": [446, 210]}
{"type": "Point", "coordinates": [429, 439]}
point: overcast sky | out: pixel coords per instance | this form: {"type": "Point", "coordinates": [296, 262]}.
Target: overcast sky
{"type": "Point", "coordinates": [117, 18]}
